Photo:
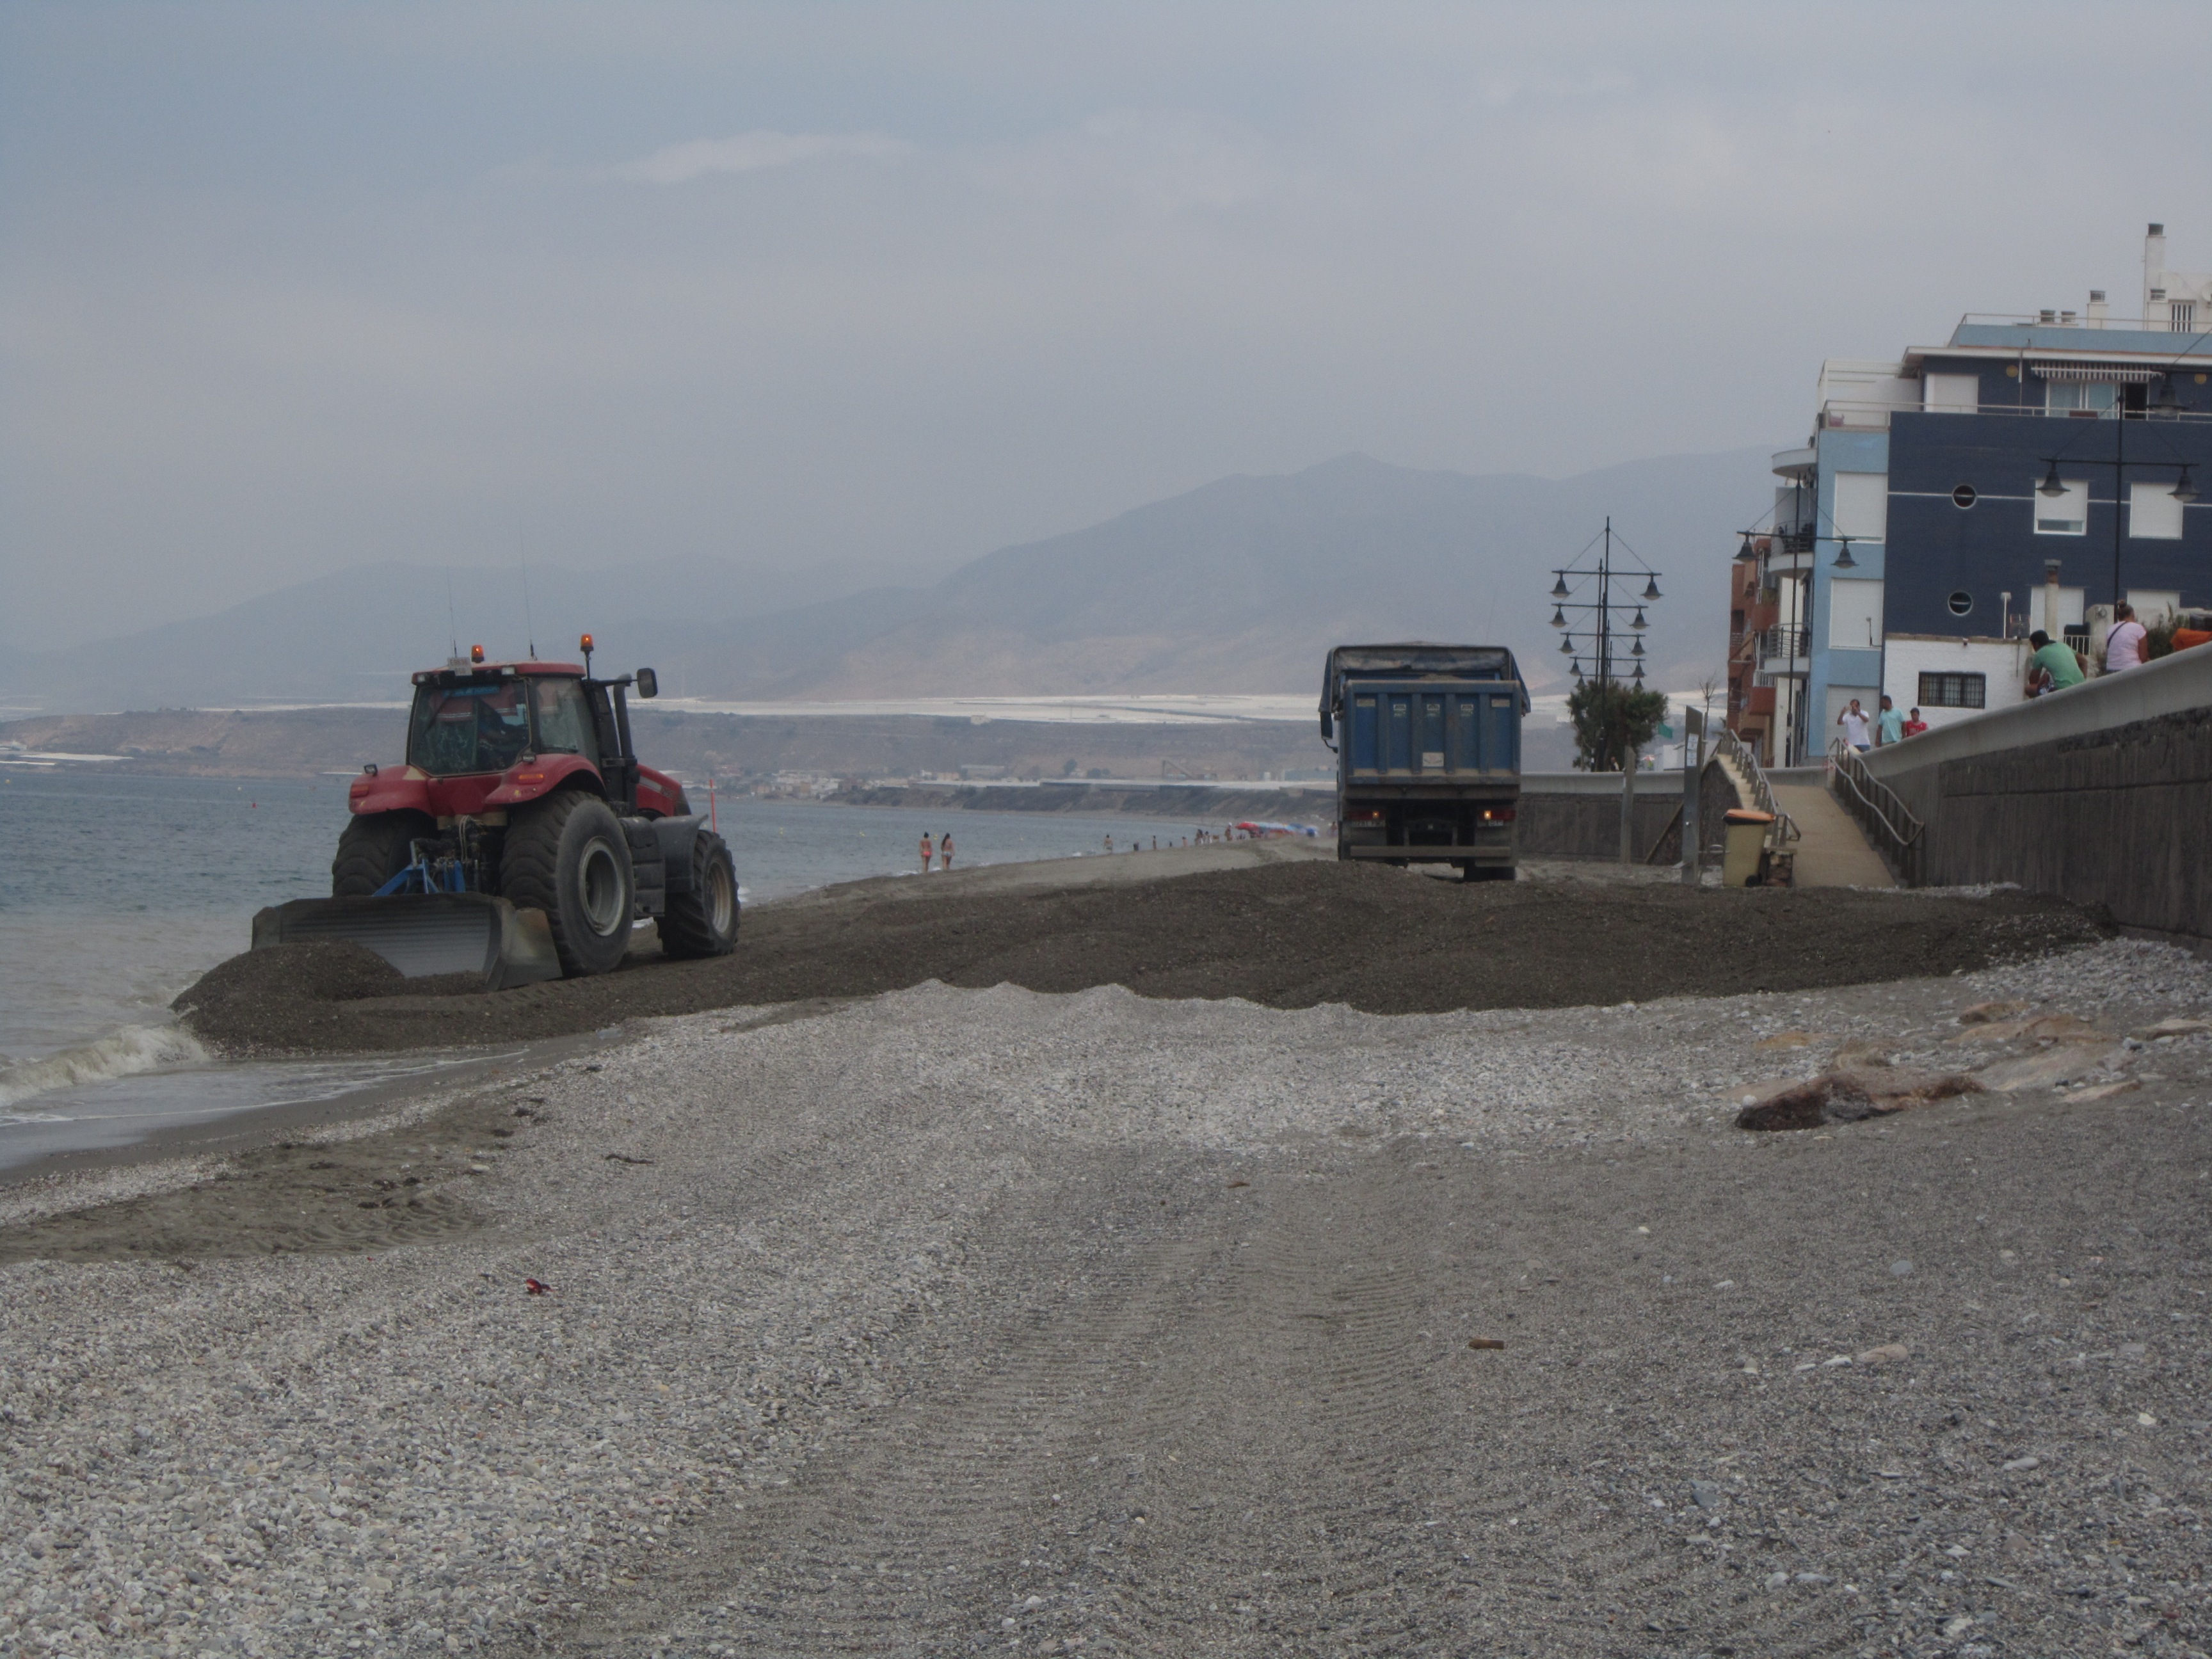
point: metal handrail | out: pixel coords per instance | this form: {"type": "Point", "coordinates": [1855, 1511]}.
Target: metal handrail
{"type": "Point", "coordinates": [1762, 793]}
{"type": "Point", "coordinates": [1873, 802]}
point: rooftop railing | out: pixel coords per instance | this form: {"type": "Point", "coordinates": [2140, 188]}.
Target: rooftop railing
{"type": "Point", "coordinates": [1859, 416]}
{"type": "Point", "coordinates": [2164, 322]}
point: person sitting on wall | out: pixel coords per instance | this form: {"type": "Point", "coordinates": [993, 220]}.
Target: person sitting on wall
{"type": "Point", "coordinates": [2053, 667]}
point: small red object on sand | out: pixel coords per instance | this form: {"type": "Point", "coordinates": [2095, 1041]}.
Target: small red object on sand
{"type": "Point", "coordinates": [535, 1288]}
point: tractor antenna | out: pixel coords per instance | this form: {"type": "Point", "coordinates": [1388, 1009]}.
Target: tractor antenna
{"type": "Point", "coordinates": [529, 626]}
{"type": "Point", "coordinates": [451, 622]}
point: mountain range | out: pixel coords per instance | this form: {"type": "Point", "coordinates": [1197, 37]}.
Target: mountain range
{"type": "Point", "coordinates": [1241, 585]}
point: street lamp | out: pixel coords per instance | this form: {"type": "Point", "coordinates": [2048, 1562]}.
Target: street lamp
{"type": "Point", "coordinates": [1844, 559]}
{"type": "Point", "coordinates": [2051, 485]}
{"type": "Point", "coordinates": [2184, 491]}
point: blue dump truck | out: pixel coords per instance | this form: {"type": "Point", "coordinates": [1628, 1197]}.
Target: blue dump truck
{"type": "Point", "coordinates": [1428, 742]}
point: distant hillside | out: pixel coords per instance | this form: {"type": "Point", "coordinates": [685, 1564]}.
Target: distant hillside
{"type": "Point", "coordinates": [1239, 586]}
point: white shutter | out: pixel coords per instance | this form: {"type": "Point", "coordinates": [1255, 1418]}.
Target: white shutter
{"type": "Point", "coordinates": [2153, 514]}
{"type": "Point", "coordinates": [1952, 394]}
{"type": "Point", "coordinates": [2154, 604]}
{"type": "Point", "coordinates": [1854, 614]}
{"type": "Point", "coordinates": [2069, 610]}
{"type": "Point", "coordinates": [1861, 509]}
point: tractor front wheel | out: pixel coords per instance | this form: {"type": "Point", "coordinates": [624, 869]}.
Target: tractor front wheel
{"type": "Point", "coordinates": [566, 855]}
{"type": "Point", "coordinates": [372, 848]}
{"type": "Point", "coordinates": [703, 922]}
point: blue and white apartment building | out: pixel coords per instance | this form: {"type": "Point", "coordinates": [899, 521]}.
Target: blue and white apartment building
{"type": "Point", "coordinates": [1952, 501]}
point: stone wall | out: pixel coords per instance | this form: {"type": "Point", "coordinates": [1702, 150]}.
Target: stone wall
{"type": "Point", "coordinates": [2100, 794]}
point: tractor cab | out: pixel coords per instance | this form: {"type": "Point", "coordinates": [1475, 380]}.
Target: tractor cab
{"type": "Point", "coordinates": [500, 733]}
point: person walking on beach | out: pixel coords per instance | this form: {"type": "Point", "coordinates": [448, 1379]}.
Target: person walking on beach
{"type": "Point", "coordinates": [929, 852]}
{"type": "Point", "coordinates": [1109, 843]}
{"type": "Point", "coordinates": [944, 850]}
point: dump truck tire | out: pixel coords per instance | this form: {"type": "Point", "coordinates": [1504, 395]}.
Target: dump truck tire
{"type": "Point", "coordinates": [703, 921]}
{"type": "Point", "coordinates": [567, 855]}
{"type": "Point", "coordinates": [372, 848]}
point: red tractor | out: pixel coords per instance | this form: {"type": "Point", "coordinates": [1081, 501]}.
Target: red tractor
{"type": "Point", "coordinates": [522, 838]}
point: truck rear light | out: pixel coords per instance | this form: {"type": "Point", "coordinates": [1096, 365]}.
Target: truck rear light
{"type": "Point", "coordinates": [1498, 815]}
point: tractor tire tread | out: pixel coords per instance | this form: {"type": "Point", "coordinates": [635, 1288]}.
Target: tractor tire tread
{"type": "Point", "coordinates": [529, 871]}
{"type": "Point", "coordinates": [687, 930]}
{"type": "Point", "coordinates": [373, 847]}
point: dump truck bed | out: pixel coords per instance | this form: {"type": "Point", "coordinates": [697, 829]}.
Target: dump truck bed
{"type": "Point", "coordinates": [1429, 752]}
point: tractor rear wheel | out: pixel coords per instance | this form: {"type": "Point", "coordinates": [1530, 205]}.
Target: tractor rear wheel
{"type": "Point", "coordinates": [703, 922]}
{"type": "Point", "coordinates": [372, 848]}
{"type": "Point", "coordinates": [567, 855]}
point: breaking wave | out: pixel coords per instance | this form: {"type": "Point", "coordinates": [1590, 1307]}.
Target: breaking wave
{"type": "Point", "coordinates": [133, 1049]}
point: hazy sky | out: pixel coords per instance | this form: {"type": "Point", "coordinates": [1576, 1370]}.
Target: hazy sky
{"type": "Point", "coordinates": [288, 286]}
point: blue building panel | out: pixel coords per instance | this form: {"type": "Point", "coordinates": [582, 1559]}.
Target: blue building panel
{"type": "Point", "coordinates": [1988, 545]}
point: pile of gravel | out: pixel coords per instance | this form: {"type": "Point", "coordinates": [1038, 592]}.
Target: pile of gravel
{"type": "Point", "coordinates": [1291, 935]}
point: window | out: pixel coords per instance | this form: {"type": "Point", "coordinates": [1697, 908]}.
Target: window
{"type": "Point", "coordinates": [1961, 603]}
{"type": "Point", "coordinates": [2153, 514]}
{"type": "Point", "coordinates": [1861, 508]}
{"type": "Point", "coordinates": [474, 726]}
{"type": "Point", "coordinates": [2081, 400]}
{"type": "Point", "coordinates": [1952, 394]}
{"type": "Point", "coordinates": [564, 720]}
{"type": "Point", "coordinates": [1854, 614]}
{"type": "Point", "coordinates": [1954, 690]}
{"type": "Point", "coordinates": [2184, 315]}
{"type": "Point", "coordinates": [1964, 495]}
{"type": "Point", "coordinates": [2063, 515]}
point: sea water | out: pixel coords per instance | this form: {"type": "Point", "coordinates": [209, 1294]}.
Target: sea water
{"type": "Point", "coordinates": [117, 890]}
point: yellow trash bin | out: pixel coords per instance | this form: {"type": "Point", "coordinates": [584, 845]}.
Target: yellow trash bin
{"type": "Point", "coordinates": [1745, 847]}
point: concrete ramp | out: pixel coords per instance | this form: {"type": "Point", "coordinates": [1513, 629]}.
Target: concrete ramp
{"type": "Point", "coordinates": [1831, 851]}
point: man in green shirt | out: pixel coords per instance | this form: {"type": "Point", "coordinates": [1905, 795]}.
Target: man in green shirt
{"type": "Point", "coordinates": [2053, 667]}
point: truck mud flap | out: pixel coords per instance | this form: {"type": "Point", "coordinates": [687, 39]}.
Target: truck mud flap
{"type": "Point", "coordinates": [422, 934]}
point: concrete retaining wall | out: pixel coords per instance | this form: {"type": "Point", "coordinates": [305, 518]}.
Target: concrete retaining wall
{"type": "Point", "coordinates": [1577, 815]}
{"type": "Point", "coordinates": [2101, 794]}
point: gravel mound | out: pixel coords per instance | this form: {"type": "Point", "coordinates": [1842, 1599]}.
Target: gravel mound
{"type": "Point", "coordinates": [1292, 935]}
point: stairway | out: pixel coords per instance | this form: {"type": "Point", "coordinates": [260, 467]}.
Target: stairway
{"type": "Point", "coordinates": [1831, 851]}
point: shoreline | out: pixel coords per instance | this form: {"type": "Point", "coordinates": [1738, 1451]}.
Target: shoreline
{"type": "Point", "coordinates": [1260, 919]}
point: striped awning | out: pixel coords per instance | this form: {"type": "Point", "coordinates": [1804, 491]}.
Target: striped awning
{"type": "Point", "coordinates": [2124, 373]}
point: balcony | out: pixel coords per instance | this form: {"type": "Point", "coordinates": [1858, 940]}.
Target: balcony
{"type": "Point", "coordinates": [1787, 553]}
{"type": "Point", "coordinates": [1784, 651]}
{"type": "Point", "coordinates": [1847, 414]}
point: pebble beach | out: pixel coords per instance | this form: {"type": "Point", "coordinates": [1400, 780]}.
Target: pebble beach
{"type": "Point", "coordinates": [604, 1355]}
